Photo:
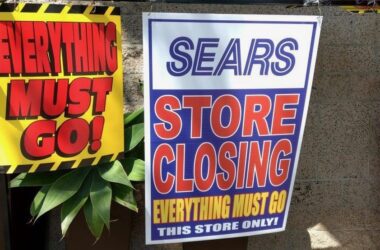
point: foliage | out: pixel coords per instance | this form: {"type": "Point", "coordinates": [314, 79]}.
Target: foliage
{"type": "Point", "coordinates": [91, 188]}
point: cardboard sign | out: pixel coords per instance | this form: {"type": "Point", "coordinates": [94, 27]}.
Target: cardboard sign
{"type": "Point", "coordinates": [61, 103]}
{"type": "Point", "coordinates": [226, 99]}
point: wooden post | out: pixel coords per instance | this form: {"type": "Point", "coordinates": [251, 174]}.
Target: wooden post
{"type": "Point", "coordinates": [224, 244]}
{"type": "Point", "coordinates": [5, 242]}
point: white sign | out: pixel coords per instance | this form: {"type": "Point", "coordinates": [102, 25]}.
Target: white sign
{"type": "Point", "coordinates": [226, 99]}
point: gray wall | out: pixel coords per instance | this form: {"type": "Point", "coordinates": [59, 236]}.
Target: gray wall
{"type": "Point", "coordinates": [336, 203]}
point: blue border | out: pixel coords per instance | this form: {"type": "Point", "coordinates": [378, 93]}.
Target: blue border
{"type": "Point", "coordinates": [303, 90]}
{"type": "Point", "coordinates": [150, 22]}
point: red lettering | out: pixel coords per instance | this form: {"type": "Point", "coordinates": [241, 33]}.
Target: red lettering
{"type": "Point", "coordinates": [258, 164]}
{"type": "Point", "coordinates": [55, 34]}
{"type": "Point", "coordinates": [80, 45]}
{"type": "Point", "coordinates": [205, 150]}
{"type": "Point", "coordinates": [196, 105]}
{"type": "Point", "coordinates": [38, 140]}
{"type": "Point", "coordinates": [28, 42]}
{"type": "Point", "coordinates": [182, 184]}
{"type": "Point", "coordinates": [97, 125]}
{"type": "Point", "coordinates": [164, 107]}
{"type": "Point", "coordinates": [232, 104]}
{"type": "Point", "coordinates": [227, 151]}
{"type": "Point", "coordinates": [14, 30]}
{"type": "Point", "coordinates": [279, 168]}
{"type": "Point", "coordinates": [54, 98]}
{"type": "Point", "coordinates": [100, 88]}
{"type": "Point", "coordinates": [37, 47]}
{"type": "Point", "coordinates": [257, 108]}
{"type": "Point", "coordinates": [163, 152]}
{"type": "Point", "coordinates": [42, 47]}
{"type": "Point", "coordinates": [281, 113]}
{"type": "Point", "coordinates": [24, 100]}
{"type": "Point", "coordinates": [68, 39]}
{"type": "Point", "coordinates": [99, 52]}
{"type": "Point", "coordinates": [90, 48]}
{"type": "Point", "coordinates": [4, 50]}
{"type": "Point", "coordinates": [41, 138]}
{"type": "Point", "coordinates": [241, 164]}
{"type": "Point", "coordinates": [111, 50]}
{"type": "Point", "coordinates": [50, 98]}
{"type": "Point", "coordinates": [79, 97]}
{"type": "Point", "coordinates": [72, 136]}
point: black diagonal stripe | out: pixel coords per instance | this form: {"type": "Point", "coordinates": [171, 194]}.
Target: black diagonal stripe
{"type": "Point", "coordinates": [23, 168]}
{"type": "Point", "coordinates": [86, 162]}
{"type": "Point", "coordinates": [294, 6]}
{"type": "Point", "coordinates": [77, 9]}
{"type": "Point", "coordinates": [116, 11]}
{"type": "Point", "coordinates": [8, 7]}
{"type": "Point", "coordinates": [120, 156]}
{"type": "Point", "coordinates": [66, 164]}
{"type": "Point", "coordinates": [54, 8]}
{"type": "Point", "coordinates": [99, 10]}
{"type": "Point", "coordinates": [105, 159]}
{"type": "Point", "coordinates": [4, 169]}
{"type": "Point", "coordinates": [31, 7]}
{"type": "Point", "coordinates": [45, 167]}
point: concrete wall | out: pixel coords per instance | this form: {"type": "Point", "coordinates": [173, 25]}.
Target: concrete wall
{"type": "Point", "coordinates": [336, 203]}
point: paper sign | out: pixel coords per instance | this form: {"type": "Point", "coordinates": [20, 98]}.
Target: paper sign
{"type": "Point", "coordinates": [226, 99]}
{"type": "Point", "coordinates": [61, 102]}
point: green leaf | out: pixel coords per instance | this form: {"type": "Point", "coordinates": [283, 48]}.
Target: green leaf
{"type": "Point", "coordinates": [135, 168]}
{"type": "Point", "coordinates": [124, 196]}
{"type": "Point", "coordinates": [136, 152]}
{"type": "Point", "coordinates": [101, 197]}
{"type": "Point", "coordinates": [38, 200]}
{"type": "Point", "coordinates": [133, 135]}
{"type": "Point", "coordinates": [72, 206]}
{"type": "Point", "coordinates": [63, 189]}
{"type": "Point", "coordinates": [114, 172]}
{"type": "Point", "coordinates": [94, 221]}
{"type": "Point", "coordinates": [134, 117]}
{"type": "Point", "coordinates": [35, 179]}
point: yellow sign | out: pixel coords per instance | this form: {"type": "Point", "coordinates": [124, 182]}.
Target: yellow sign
{"type": "Point", "coordinates": [360, 9]}
{"type": "Point", "coordinates": [61, 86]}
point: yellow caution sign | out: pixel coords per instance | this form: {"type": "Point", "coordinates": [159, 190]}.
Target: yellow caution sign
{"type": "Point", "coordinates": [362, 9]}
{"type": "Point", "coordinates": [61, 86]}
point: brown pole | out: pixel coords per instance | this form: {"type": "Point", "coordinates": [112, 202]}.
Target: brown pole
{"type": "Point", "coordinates": [5, 242]}
{"type": "Point", "coordinates": [224, 244]}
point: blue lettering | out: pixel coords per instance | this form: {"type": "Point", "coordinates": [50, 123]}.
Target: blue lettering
{"type": "Point", "coordinates": [277, 59]}
{"type": "Point", "coordinates": [184, 59]}
{"type": "Point", "coordinates": [261, 59]}
{"type": "Point", "coordinates": [202, 56]}
{"type": "Point", "coordinates": [234, 63]}
{"type": "Point", "coordinates": [286, 57]}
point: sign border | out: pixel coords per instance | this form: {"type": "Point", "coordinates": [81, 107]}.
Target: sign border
{"type": "Point", "coordinates": [148, 19]}
{"type": "Point", "coordinates": [50, 12]}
